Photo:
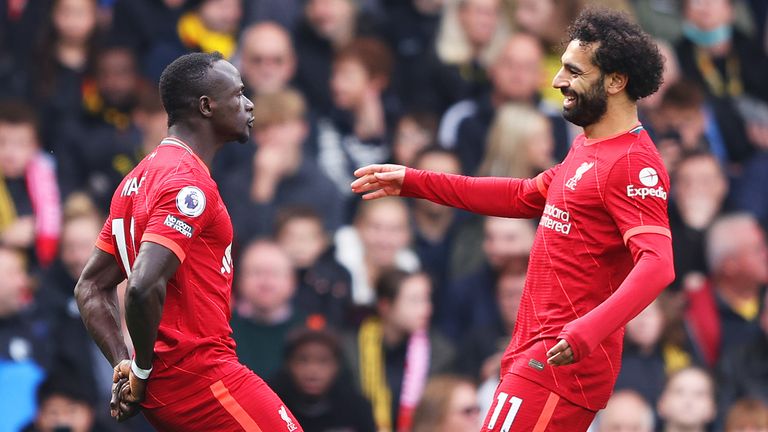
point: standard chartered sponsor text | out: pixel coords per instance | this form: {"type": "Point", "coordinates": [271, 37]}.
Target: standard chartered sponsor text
{"type": "Point", "coordinates": [556, 219]}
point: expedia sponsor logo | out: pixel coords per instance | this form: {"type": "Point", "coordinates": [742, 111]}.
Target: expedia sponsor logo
{"type": "Point", "coordinates": [179, 225]}
{"type": "Point", "coordinates": [644, 192]}
{"type": "Point", "coordinates": [556, 219]}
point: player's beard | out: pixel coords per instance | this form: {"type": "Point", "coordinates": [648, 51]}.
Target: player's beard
{"type": "Point", "coordinates": [590, 106]}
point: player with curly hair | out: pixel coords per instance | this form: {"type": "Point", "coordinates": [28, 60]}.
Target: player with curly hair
{"type": "Point", "coordinates": [603, 249]}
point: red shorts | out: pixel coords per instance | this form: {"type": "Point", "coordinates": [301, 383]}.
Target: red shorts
{"type": "Point", "coordinates": [240, 401]}
{"type": "Point", "coordinates": [521, 405]}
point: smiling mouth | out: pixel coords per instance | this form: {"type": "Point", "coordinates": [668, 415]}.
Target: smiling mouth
{"type": "Point", "coordinates": [569, 101]}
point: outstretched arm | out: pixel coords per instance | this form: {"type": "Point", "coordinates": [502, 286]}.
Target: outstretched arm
{"type": "Point", "coordinates": [491, 196]}
{"type": "Point", "coordinates": [96, 295]}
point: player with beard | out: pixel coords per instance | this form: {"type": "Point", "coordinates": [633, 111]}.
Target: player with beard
{"type": "Point", "coordinates": [169, 233]}
{"type": "Point", "coordinates": [603, 249]}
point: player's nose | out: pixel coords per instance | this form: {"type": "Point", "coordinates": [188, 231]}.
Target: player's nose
{"type": "Point", "coordinates": [248, 105]}
{"type": "Point", "coordinates": [560, 81]}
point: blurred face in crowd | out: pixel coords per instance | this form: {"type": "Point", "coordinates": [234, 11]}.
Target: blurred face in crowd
{"type": "Point", "coordinates": [645, 329]}
{"type": "Point", "coordinates": [74, 20]}
{"type": "Point", "coordinates": [509, 291]}
{"type": "Point", "coordinates": [13, 284]}
{"type": "Point", "coordinates": [700, 179]}
{"type": "Point", "coordinates": [479, 18]}
{"type": "Point", "coordinates": [626, 412]}
{"type": "Point", "coordinates": [117, 77]}
{"type": "Point", "coordinates": [689, 123]}
{"type": "Point", "coordinates": [313, 367]}
{"type": "Point", "coordinates": [750, 260]}
{"type": "Point", "coordinates": [330, 18]}
{"type": "Point", "coordinates": [384, 230]}
{"type": "Point", "coordinates": [77, 239]}
{"type": "Point", "coordinates": [517, 72]}
{"type": "Point", "coordinates": [266, 280]}
{"type": "Point", "coordinates": [506, 240]}
{"type": "Point", "coordinates": [268, 61]}
{"type": "Point", "coordinates": [463, 412]}
{"type": "Point", "coordinates": [60, 412]}
{"type": "Point", "coordinates": [410, 139]}
{"type": "Point", "coordinates": [222, 16]}
{"type": "Point", "coordinates": [286, 135]}
{"type": "Point", "coordinates": [688, 400]}
{"type": "Point", "coordinates": [534, 16]}
{"type": "Point", "coordinates": [708, 14]}
{"type": "Point", "coordinates": [153, 126]}
{"type": "Point", "coordinates": [412, 308]}
{"type": "Point", "coordinates": [18, 145]}
{"type": "Point", "coordinates": [304, 240]}
{"type": "Point", "coordinates": [437, 162]}
{"type": "Point", "coordinates": [582, 84]}
{"type": "Point", "coordinates": [429, 7]}
{"type": "Point", "coordinates": [349, 82]}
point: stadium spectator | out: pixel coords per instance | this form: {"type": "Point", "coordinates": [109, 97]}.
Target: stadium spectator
{"type": "Point", "coordinates": [267, 60]}
{"type": "Point", "coordinates": [64, 56]}
{"type": "Point", "coordinates": [548, 21]}
{"type": "Point", "coordinates": [683, 124]}
{"type": "Point", "coordinates": [749, 191]}
{"type": "Point", "coordinates": [378, 240]}
{"type": "Point", "coordinates": [742, 372]}
{"type": "Point", "coordinates": [414, 133]}
{"type": "Point", "coordinates": [715, 55]}
{"type": "Point", "coordinates": [25, 342]}
{"type": "Point", "coordinates": [688, 401]}
{"type": "Point", "coordinates": [449, 404]}
{"type": "Point", "coordinates": [655, 345]}
{"type": "Point", "coordinates": [212, 26]}
{"type": "Point", "coordinates": [471, 300]}
{"type": "Point", "coordinates": [747, 415]}
{"type": "Point", "coordinates": [672, 74]}
{"type": "Point", "coordinates": [483, 345]}
{"type": "Point", "coordinates": [150, 120]}
{"type": "Point", "coordinates": [95, 153]}
{"type": "Point", "coordinates": [325, 286]}
{"type": "Point", "coordinates": [724, 314]}
{"type": "Point", "coordinates": [327, 27]}
{"type": "Point", "coordinates": [395, 351]}
{"type": "Point", "coordinates": [30, 208]}
{"type": "Point", "coordinates": [314, 383]}
{"type": "Point", "coordinates": [435, 226]}
{"type": "Point", "coordinates": [410, 29]}
{"type": "Point", "coordinates": [699, 190]}
{"type": "Point", "coordinates": [470, 32]}
{"type": "Point", "coordinates": [516, 73]}
{"type": "Point", "coordinates": [358, 132]}
{"type": "Point", "coordinates": [278, 173]}
{"type": "Point", "coordinates": [64, 406]}
{"type": "Point", "coordinates": [264, 314]}
{"type": "Point", "coordinates": [149, 27]}
{"type": "Point", "coordinates": [519, 144]}
{"type": "Point", "coordinates": [626, 411]}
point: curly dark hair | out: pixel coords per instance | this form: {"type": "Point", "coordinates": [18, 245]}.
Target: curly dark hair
{"type": "Point", "coordinates": [183, 82]}
{"type": "Point", "coordinates": [623, 47]}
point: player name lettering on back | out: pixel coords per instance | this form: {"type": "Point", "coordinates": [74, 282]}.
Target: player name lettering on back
{"type": "Point", "coordinates": [556, 219]}
{"type": "Point", "coordinates": [179, 225]}
{"type": "Point", "coordinates": [131, 186]}
{"type": "Point", "coordinates": [643, 192]}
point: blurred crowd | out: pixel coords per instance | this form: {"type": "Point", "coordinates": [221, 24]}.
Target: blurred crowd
{"type": "Point", "coordinates": [390, 314]}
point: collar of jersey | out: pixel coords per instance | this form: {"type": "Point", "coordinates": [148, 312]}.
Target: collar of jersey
{"type": "Point", "coordinates": [635, 129]}
{"type": "Point", "coordinates": [179, 143]}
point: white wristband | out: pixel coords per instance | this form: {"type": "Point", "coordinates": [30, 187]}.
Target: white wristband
{"type": "Point", "coordinates": [139, 372]}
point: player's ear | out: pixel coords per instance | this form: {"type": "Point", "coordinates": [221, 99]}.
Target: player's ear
{"type": "Point", "coordinates": [205, 106]}
{"type": "Point", "coordinates": [615, 82]}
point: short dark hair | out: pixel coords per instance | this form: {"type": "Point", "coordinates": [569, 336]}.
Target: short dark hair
{"type": "Point", "coordinates": [289, 214]}
{"type": "Point", "coordinates": [18, 113]}
{"type": "Point", "coordinates": [683, 95]}
{"type": "Point", "coordinates": [304, 336]}
{"type": "Point", "coordinates": [183, 82]}
{"type": "Point", "coordinates": [623, 47]}
{"type": "Point", "coordinates": [373, 54]}
{"type": "Point", "coordinates": [435, 150]}
{"type": "Point", "coordinates": [389, 284]}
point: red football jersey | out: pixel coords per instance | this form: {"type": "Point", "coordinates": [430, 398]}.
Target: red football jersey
{"type": "Point", "coordinates": [590, 205]}
{"type": "Point", "coordinates": [170, 199]}
{"type": "Point", "coordinates": [603, 193]}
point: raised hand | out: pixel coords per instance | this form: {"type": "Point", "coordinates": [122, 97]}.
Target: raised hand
{"type": "Point", "coordinates": [377, 181]}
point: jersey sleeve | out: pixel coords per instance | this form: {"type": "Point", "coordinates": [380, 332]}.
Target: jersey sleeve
{"type": "Point", "coordinates": [104, 241]}
{"type": "Point", "coordinates": [489, 196]}
{"type": "Point", "coordinates": [637, 191]}
{"type": "Point", "coordinates": [177, 214]}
